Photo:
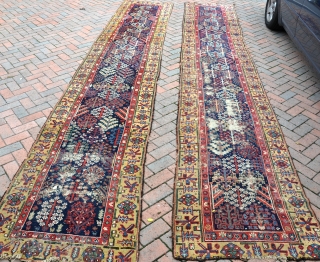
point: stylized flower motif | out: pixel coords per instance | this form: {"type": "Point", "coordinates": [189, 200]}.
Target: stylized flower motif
{"type": "Point", "coordinates": [282, 164]}
{"type": "Point", "coordinates": [189, 159]}
{"type": "Point", "coordinates": [31, 248]}
{"type": "Point", "coordinates": [126, 207]}
{"type": "Point", "coordinates": [92, 159]}
{"type": "Point", "coordinates": [108, 123]}
{"type": "Point", "coordinates": [188, 129]}
{"type": "Point", "coordinates": [51, 213]}
{"type": "Point", "coordinates": [296, 201]}
{"type": "Point", "coordinates": [65, 174]}
{"type": "Point", "coordinates": [70, 156]}
{"type": "Point", "coordinates": [15, 199]}
{"type": "Point", "coordinates": [80, 217]}
{"type": "Point", "coordinates": [232, 251]}
{"type": "Point", "coordinates": [93, 174]}
{"type": "Point", "coordinates": [188, 199]}
{"type": "Point", "coordinates": [248, 150]}
{"type": "Point", "coordinates": [142, 116]}
{"type": "Point", "coordinates": [222, 234]}
{"type": "Point", "coordinates": [131, 169]}
{"type": "Point", "coordinates": [273, 134]}
{"type": "Point", "coordinates": [93, 254]}
{"type": "Point", "coordinates": [137, 140]}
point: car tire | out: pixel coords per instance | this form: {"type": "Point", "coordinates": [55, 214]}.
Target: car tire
{"type": "Point", "coordinates": [271, 15]}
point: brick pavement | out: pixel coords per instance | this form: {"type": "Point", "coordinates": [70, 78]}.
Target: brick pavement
{"type": "Point", "coordinates": [43, 42]}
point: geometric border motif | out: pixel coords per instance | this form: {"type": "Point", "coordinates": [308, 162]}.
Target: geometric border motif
{"type": "Point", "coordinates": [189, 238]}
{"type": "Point", "coordinates": [119, 248]}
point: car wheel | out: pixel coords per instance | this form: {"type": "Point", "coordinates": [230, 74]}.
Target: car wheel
{"type": "Point", "coordinates": [271, 15]}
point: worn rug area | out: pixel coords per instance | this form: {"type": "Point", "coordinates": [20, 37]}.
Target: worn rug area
{"type": "Point", "coordinates": [77, 197]}
{"type": "Point", "coordinates": [237, 194]}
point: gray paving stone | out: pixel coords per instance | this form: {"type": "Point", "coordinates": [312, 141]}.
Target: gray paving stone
{"type": "Point", "coordinates": [288, 94]}
{"type": "Point", "coordinates": [20, 111]}
{"type": "Point", "coordinates": [299, 119]}
{"type": "Point", "coordinates": [157, 194]}
{"type": "Point", "coordinates": [163, 150]}
{"type": "Point", "coordinates": [286, 123]}
{"type": "Point", "coordinates": [299, 157]}
{"type": "Point", "coordinates": [10, 148]}
{"type": "Point", "coordinates": [315, 164]}
{"type": "Point", "coordinates": [38, 108]}
{"type": "Point", "coordinates": [167, 239]}
{"type": "Point", "coordinates": [158, 228]}
{"type": "Point", "coordinates": [9, 106]}
{"type": "Point", "coordinates": [166, 128]}
{"type": "Point", "coordinates": [308, 183]}
{"type": "Point", "coordinates": [303, 129]}
{"type": "Point", "coordinates": [161, 164]}
{"type": "Point", "coordinates": [168, 137]}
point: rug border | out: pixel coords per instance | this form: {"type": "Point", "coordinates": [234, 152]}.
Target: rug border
{"type": "Point", "coordinates": [150, 127]}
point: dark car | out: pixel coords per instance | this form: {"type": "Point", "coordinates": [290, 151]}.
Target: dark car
{"type": "Point", "coordinates": [301, 20]}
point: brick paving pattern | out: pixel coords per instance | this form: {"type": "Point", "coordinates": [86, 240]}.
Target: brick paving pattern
{"type": "Point", "coordinates": [43, 42]}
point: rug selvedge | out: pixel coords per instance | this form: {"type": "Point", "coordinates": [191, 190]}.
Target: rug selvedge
{"type": "Point", "coordinates": [229, 203]}
{"type": "Point", "coordinates": [86, 231]}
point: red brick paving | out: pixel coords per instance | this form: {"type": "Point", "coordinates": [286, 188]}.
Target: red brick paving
{"type": "Point", "coordinates": [42, 44]}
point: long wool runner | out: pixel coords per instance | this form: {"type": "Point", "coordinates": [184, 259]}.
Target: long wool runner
{"type": "Point", "coordinates": [77, 196]}
{"type": "Point", "coordinates": [237, 194]}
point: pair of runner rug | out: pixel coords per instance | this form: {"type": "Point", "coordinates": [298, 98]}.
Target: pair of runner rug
{"type": "Point", "coordinates": [77, 197]}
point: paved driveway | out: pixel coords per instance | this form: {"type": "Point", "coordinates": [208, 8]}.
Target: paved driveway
{"type": "Point", "coordinates": [43, 42]}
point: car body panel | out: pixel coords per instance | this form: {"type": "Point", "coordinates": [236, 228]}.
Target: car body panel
{"type": "Point", "coordinates": [301, 20]}
{"type": "Point", "coordinates": [290, 10]}
{"type": "Point", "coordinates": [308, 31]}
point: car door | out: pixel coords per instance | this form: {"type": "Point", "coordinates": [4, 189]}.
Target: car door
{"type": "Point", "coordinates": [290, 10]}
{"type": "Point", "coordinates": [308, 31]}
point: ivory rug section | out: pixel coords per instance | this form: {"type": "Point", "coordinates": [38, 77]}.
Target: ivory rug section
{"type": "Point", "coordinates": [77, 196]}
{"type": "Point", "coordinates": [237, 194]}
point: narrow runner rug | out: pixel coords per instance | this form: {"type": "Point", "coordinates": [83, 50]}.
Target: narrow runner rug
{"type": "Point", "coordinates": [237, 194]}
{"type": "Point", "coordinates": [77, 196]}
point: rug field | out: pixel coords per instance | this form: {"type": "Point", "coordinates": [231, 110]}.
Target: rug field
{"type": "Point", "coordinates": [77, 196]}
{"type": "Point", "coordinates": [237, 194]}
